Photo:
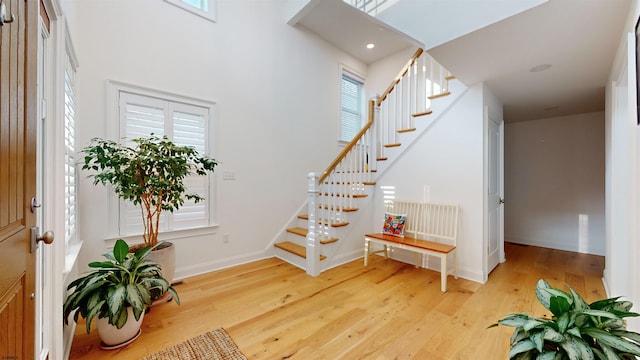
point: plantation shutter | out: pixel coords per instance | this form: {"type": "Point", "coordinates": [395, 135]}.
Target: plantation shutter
{"type": "Point", "coordinates": [70, 175]}
{"type": "Point", "coordinates": [184, 124]}
{"type": "Point", "coordinates": [190, 129]}
{"type": "Point", "coordinates": [351, 105]}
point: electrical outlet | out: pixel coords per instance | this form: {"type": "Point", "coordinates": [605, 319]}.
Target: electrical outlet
{"type": "Point", "coordinates": [228, 175]}
{"type": "Point", "coordinates": [225, 238]}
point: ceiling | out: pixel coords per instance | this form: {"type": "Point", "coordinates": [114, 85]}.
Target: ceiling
{"type": "Point", "coordinates": [578, 38]}
{"type": "Point", "coordinates": [350, 30]}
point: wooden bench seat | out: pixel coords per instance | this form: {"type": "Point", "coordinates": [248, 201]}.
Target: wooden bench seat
{"type": "Point", "coordinates": [422, 244]}
{"type": "Point", "coordinates": [423, 221]}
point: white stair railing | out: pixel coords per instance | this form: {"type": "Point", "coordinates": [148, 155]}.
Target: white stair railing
{"type": "Point", "coordinates": [371, 7]}
{"type": "Point", "coordinates": [333, 194]}
{"type": "Point", "coordinates": [409, 97]}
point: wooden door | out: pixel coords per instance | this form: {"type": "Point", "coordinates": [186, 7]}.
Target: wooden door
{"type": "Point", "coordinates": [18, 116]}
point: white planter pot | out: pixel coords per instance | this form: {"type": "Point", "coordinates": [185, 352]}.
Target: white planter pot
{"type": "Point", "coordinates": [166, 258]}
{"type": "Point", "coordinates": [112, 337]}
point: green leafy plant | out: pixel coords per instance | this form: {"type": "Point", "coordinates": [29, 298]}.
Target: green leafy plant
{"type": "Point", "coordinates": [150, 174]}
{"type": "Point", "coordinates": [124, 280]}
{"type": "Point", "coordinates": [576, 331]}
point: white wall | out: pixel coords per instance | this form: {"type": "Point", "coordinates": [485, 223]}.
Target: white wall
{"type": "Point", "coordinates": [436, 22]}
{"type": "Point", "coordinates": [384, 71]}
{"type": "Point", "coordinates": [277, 93]}
{"type": "Point", "coordinates": [623, 173]}
{"type": "Point", "coordinates": [446, 165]}
{"type": "Point", "coordinates": [554, 176]}
{"type": "Point", "coordinates": [423, 173]}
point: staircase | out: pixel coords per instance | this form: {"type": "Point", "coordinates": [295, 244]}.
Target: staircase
{"type": "Point", "coordinates": [312, 238]}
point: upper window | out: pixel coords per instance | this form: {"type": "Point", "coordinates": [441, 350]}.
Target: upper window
{"type": "Point", "coordinates": [203, 8]}
{"type": "Point", "coordinates": [186, 122]}
{"type": "Point", "coordinates": [352, 105]}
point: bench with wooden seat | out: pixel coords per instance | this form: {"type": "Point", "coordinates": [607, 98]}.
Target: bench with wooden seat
{"type": "Point", "coordinates": [430, 229]}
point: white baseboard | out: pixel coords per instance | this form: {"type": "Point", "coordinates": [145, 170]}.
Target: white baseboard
{"type": "Point", "coordinates": [346, 258]}
{"type": "Point", "coordinates": [203, 268]}
{"type": "Point", "coordinates": [555, 245]}
{"type": "Point", "coordinates": [464, 273]}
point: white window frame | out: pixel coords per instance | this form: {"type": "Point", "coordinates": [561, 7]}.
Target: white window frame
{"type": "Point", "coordinates": [345, 71]}
{"type": "Point", "coordinates": [208, 13]}
{"type": "Point", "coordinates": [116, 130]}
{"type": "Point", "coordinates": [72, 240]}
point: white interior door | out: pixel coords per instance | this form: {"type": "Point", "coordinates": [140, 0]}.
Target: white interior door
{"type": "Point", "coordinates": [495, 213]}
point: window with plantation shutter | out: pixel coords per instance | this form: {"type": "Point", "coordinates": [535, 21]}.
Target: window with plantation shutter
{"type": "Point", "coordinates": [184, 123]}
{"type": "Point", "coordinates": [70, 174]}
{"type": "Point", "coordinates": [352, 105]}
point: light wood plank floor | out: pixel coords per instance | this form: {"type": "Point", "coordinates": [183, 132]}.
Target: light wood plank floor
{"type": "Point", "coordinates": [388, 310]}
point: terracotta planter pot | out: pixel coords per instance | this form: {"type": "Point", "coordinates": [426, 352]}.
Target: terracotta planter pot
{"type": "Point", "coordinates": [113, 338]}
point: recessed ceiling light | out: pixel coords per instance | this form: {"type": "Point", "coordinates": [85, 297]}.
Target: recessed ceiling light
{"type": "Point", "coordinates": [539, 68]}
{"type": "Point", "coordinates": [371, 45]}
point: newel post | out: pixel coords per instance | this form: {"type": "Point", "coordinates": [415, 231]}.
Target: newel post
{"type": "Point", "coordinates": [313, 250]}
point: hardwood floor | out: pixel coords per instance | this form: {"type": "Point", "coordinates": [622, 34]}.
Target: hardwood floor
{"type": "Point", "coordinates": [388, 310]}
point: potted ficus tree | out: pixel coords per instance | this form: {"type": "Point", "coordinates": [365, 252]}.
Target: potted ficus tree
{"type": "Point", "coordinates": [576, 330]}
{"type": "Point", "coordinates": [151, 175]}
{"type": "Point", "coordinates": [117, 292]}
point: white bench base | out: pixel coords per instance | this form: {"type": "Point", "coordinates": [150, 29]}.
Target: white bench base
{"type": "Point", "coordinates": [389, 241]}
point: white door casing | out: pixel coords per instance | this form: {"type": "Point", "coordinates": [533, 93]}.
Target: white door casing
{"type": "Point", "coordinates": [50, 259]}
{"type": "Point", "coordinates": [494, 197]}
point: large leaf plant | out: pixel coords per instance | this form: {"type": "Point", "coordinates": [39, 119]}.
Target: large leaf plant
{"type": "Point", "coordinates": [576, 330]}
{"type": "Point", "coordinates": [125, 280]}
{"type": "Point", "coordinates": [150, 174]}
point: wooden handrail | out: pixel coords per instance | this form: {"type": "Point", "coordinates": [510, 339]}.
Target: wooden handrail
{"type": "Point", "coordinates": [400, 75]}
{"type": "Point", "coordinates": [351, 144]}
{"type": "Point", "coordinates": [367, 126]}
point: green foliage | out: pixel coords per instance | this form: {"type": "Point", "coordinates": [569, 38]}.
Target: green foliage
{"type": "Point", "coordinates": [576, 331]}
{"type": "Point", "coordinates": [124, 280]}
{"type": "Point", "coordinates": [150, 174]}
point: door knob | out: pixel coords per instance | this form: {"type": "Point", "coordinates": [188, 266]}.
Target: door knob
{"type": "Point", "coordinates": [3, 15]}
{"type": "Point", "coordinates": [46, 238]}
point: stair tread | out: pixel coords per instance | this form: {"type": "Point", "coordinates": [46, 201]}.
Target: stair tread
{"type": "Point", "coordinates": [338, 224]}
{"type": "Point", "coordinates": [392, 145]}
{"type": "Point", "coordinates": [343, 209]}
{"type": "Point", "coordinates": [382, 159]}
{"type": "Point", "coordinates": [295, 249]}
{"type": "Point", "coordinates": [423, 113]}
{"type": "Point", "coordinates": [349, 183]}
{"type": "Point", "coordinates": [298, 231]}
{"type": "Point", "coordinates": [405, 130]}
{"type": "Point", "coordinates": [355, 196]}
{"type": "Point", "coordinates": [446, 93]}
{"type": "Point", "coordinates": [303, 232]}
